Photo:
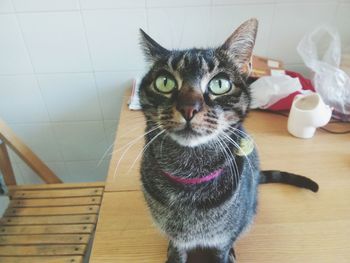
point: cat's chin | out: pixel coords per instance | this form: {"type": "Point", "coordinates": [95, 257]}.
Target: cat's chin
{"type": "Point", "coordinates": [191, 140]}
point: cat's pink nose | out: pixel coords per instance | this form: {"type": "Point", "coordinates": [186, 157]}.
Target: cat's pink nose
{"type": "Point", "coordinates": [189, 102]}
{"type": "Point", "coordinates": [188, 112]}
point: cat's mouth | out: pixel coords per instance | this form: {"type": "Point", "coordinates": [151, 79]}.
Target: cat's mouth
{"type": "Point", "coordinates": [188, 136]}
{"type": "Point", "coordinates": [187, 131]}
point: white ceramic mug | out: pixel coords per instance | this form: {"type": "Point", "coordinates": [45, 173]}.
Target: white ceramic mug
{"type": "Point", "coordinates": [308, 112]}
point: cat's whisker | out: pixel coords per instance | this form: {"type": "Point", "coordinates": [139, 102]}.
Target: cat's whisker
{"type": "Point", "coordinates": [232, 165]}
{"type": "Point", "coordinates": [105, 153]}
{"type": "Point", "coordinates": [161, 145]}
{"type": "Point", "coordinates": [137, 138]}
{"type": "Point", "coordinates": [130, 145]}
{"type": "Point", "coordinates": [238, 148]}
{"type": "Point", "coordinates": [145, 149]}
{"type": "Point", "coordinates": [243, 135]}
{"type": "Point", "coordinates": [110, 146]}
{"type": "Point", "coordinates": [235, 166]}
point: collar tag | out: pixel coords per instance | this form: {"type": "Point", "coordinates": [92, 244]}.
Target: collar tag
{"type": "Point", "coordinates": [246, 147]}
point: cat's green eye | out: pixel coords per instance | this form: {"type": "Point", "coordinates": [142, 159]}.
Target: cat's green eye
{"type": "Point", "coordinates": [219, 86]}
{"type": "Point", "coordinates": [164, 84]}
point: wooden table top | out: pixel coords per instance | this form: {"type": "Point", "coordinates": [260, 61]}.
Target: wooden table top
{"type": "Point", "coordinates": [292, 225]}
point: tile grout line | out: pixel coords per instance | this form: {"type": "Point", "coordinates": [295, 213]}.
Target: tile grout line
{"type": "Point", "coordinates": [69, 72]}
{"type": "Point", "coordinates": [160, 7]}
{"type": "Point", "coordinates": [94, 74]}
{"type": "Point", "coordinates": [35, 75]}
{"type": "Point", "coordinates": [268, 48]}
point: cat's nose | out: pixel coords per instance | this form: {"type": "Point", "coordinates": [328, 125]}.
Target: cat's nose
{"type": "Point", "coordinates": [189, 103]}
{"type": "Point", "coordinates": [188, 112]}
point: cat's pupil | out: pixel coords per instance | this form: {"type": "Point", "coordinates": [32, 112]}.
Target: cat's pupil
{"type": "Point", "coordinates": [220, 83]}
{"type": "Point", "coordinates": [165, 80]}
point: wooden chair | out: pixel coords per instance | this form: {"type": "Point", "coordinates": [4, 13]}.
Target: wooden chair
{"type": "Point", "coordinates": [51, 223]}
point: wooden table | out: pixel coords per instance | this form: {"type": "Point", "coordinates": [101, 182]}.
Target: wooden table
{"type": "Point", "coordinates": [292, 225]}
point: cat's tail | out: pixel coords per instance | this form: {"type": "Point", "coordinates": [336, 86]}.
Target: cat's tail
{"type": "Point", "coordinates": [288, 178]}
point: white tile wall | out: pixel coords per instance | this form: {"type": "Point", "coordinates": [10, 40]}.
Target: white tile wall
{"type": "Point", "coordinates": [80, 141]}
{"type": "Point", "coordinates": [40, 138]}
{"type": "Point", "coordinates": [21, 99]}
{"type": "Point", "coordinates": [45, 5]}
{"type": "Point", "coordinates": [56, 41]}
{"type": "Point", "coordinates": [13, 53]}
{"type": "Point", "coordinates": [110, 129]}
{"type": "Point", "coordinates": [227, 18]}
{"type": "Point", "coordinates": [297, 20]}
{"type": "Point", "coordinates": [110, 88]}
{"type": "Point", "coordinates": [64, 64]}
{"type": "Point", "coordinates": [342, 22]}
{"type": "Point", "coordinates": [180, 27]}
{"type": "Point", "coordinates": [113, 38]}
{"type": "Point", "coordinates": [70, 97]}
{"type": "Point", "coordinates": [87, 171]}
{"type": "Point", "coordinates": [5, 6]}
{"type": "Point", "coordinates": [98, 4]}
{"type": "Point", "coordinates": [178, 3]}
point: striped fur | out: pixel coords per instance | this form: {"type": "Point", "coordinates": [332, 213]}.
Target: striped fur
{"type": "Point", "coordinates": [288, 178]}
{"type": "Point", "coordinates": [202, 221]}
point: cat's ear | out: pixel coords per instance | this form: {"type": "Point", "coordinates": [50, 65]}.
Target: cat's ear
{"type": "Point", "coordinates": [152, 50]}
{"type": "Point", "coordinates": [240, 44]}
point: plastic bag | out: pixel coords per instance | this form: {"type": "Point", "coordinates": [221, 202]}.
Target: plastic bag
{"type": "Point", "coordinates": [267, 90]}
{"type": "Point", "coordinates": [321, 52]}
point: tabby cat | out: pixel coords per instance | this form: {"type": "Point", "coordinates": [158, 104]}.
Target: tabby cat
{"type": "Point", "coordinates": [200, 170]}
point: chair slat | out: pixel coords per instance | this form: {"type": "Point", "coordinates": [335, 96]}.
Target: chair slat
{"type": "Point", "coordinates": [42, 259]}
{"type": "Point", "coordinates": [60, 210]}
{"type": "Point", "coordinates": [94, 200]}
{"type": "Point", "coordinates": [49, 223]}
{"type": "Point", "coordinates": [47, 229]}
{"type": "Point", "coordinates": [44, 239]}
{"type": "Point", "coordinates": [49, 220]}
{"type": "Point", "coordinates": [42, 250]}
{"type": "Point", "coordinates": [56, 193]}
{"type": "Point", "coordinates": [57, 186]}
{"type": "Point", "coordinates": [5, 165]}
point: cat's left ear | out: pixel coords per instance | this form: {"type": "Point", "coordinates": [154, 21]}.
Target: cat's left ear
{"type": "Point", "coordinates": [239, 46]}
{"type": "Point", "coordinates": [152, 50]}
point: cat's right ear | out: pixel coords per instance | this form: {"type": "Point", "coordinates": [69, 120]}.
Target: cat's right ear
{"type": "Point", "coordinates": [152, 50]}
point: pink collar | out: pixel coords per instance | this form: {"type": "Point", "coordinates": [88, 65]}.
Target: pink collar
{"type": "Point", "coordinates": [199, 180]}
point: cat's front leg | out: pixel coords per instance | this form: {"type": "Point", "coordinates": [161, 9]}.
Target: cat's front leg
{"type": "Point", "coordinates": [176, 255]}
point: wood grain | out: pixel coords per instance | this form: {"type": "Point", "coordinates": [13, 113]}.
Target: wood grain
{"type": "Point", "coordinates": [57, 186]}
{"type": "Point", "coordinates": [49, 220]}
{"type": "Point", "coordinates": [5, 165]}
{"type": "Point", "coordinates": [56, 193]}
{"type": "Point", "coordinates": [44, 239]}
{"type": "Point", "coordinates": [292, 225]}
{"type": "Point", "coordinates": [47, 229]}
{"type": "Point", "coordinates": [42, 259]}
{"type": "Point", "coordinates": [52, 202]}
{"type": "Point", "coordinates": [42, 250]}
{"type": "Point", "coordinates": [60, 210]}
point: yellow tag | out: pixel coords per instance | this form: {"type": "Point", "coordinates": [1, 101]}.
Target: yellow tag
{"type": "Point", "coordinates": [246, 147]}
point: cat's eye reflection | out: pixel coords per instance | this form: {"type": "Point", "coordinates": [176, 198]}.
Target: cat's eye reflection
{"type": "Point", "coordinates": [219, 86]}
{"type": "Point", "coordinates": [164, 84]}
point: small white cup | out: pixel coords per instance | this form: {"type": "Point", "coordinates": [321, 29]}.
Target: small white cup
{"type": "Point", "coordinates": [308, 112]}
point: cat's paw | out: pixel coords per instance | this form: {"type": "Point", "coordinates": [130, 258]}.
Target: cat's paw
{"type": "Point", "coordinates": [232, 256]}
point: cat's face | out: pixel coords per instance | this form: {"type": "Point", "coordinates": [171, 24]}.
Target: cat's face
{"type": "Point", "coordinates": [197, 95]}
